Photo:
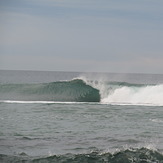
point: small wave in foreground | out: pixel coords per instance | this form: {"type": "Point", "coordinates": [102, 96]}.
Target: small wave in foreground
{"type": "Point", "coordinates": [142, 155]}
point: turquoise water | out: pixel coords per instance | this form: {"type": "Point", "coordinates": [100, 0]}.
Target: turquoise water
{"type": "Point", "coordinates": [125, 125]}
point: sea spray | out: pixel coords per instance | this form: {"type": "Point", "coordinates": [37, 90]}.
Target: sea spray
{"type": "Point", "coordinates": [123, 93]}
{"type": "Point", "coordinates": [147, 95]}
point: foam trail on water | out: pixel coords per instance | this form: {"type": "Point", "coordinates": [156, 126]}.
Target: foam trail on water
{"type": "Point", "coordinates": [39, 102]}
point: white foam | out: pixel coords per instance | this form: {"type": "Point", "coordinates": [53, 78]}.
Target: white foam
{"type": "Point", "coordinates": [157, 120]}
{"type": "Point", "coordinates": [149, 95]}
{"type": "Point", "coordinates": [39, 102]}
{"type": "Point", "coordinates": [127, 95]}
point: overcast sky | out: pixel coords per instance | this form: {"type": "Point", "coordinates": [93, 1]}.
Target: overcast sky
{"type": "Point", "coordinates": [82, 35]}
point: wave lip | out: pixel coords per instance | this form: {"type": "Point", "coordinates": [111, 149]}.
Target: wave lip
{"type": "Point", "coordinates": [65, 91]}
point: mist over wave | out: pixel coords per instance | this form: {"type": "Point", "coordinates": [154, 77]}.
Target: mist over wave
{"type": "Point", "coordinates": [123, 93]}
{"type": "Point", "coordinates": [148, 95]}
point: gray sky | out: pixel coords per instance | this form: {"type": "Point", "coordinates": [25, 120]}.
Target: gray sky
{"type": "Point", "coordinates": [82, 35]}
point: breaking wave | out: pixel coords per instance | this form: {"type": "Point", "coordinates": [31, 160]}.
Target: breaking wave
{"type": "Point", "coordinates": [84, 90]}
{"type": "Point", "coordinates": [123, 93]}
{"type": "Point", "coordinates": [144, 95]}
{"type": "Point", "coordinates": [142, 155]}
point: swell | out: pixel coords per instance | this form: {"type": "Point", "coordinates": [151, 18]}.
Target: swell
{"type": "Point", "coordinates": [142, 155]}
{"type": "Point", "coordinates": [70, 91]}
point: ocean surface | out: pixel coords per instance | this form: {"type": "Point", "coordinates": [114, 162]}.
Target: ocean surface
{"type": "Point", "coordinates": [71, 117]}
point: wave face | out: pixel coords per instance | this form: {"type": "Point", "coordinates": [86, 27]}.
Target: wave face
{"type": "Point", "coordinates": [142, 155]}
{"type": "Point", "coordinates": [74, 91]}
{"type": "Point", "coordinates": [123, 93]}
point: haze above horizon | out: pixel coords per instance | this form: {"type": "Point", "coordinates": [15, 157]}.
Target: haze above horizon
{"type": "Point", "coordinates": [86, 36]}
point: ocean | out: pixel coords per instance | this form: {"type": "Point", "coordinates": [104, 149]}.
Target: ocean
{"type": "Point", "coordinates": [72, 117]}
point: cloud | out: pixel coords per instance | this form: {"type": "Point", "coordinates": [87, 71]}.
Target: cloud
{"type": "Point", "coordinates": [83, 35]}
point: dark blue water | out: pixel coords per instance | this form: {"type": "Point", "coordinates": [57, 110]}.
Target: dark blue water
{"type": "Point", "coordinates": [124, 126]}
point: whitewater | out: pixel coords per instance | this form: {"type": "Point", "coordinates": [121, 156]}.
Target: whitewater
{"type": "Point", "coordinates": [65, 117]}
{"type": "Point", "coordinates": [123, 93]}
{"type": "Point", "coordinates": [148, 95]}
